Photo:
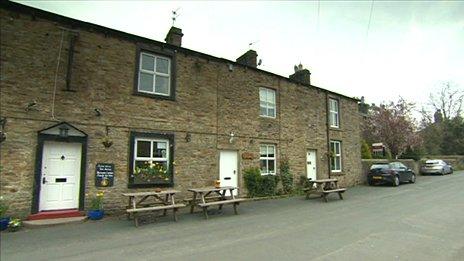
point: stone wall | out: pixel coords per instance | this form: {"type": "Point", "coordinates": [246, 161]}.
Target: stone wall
{"type": "Point", "coordinates": [211, 102]}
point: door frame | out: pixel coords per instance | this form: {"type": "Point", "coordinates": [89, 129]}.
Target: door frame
{"type": "Point", "coordinates": [239, 180]}
{"type": "Point", "coordinates": [41, 138]}
{"type": "Point", "coordinates": [306, 161]}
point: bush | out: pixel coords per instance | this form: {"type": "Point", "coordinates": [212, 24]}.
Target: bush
{"type": "Point", "coordinates": [410, 153]}
{"type": "Point", "coordinates": [286, 176]}
{"type": "Point", "coordinates": [258, 185]}
{"type": "Point", "coordinates": [251, 177]}
{"type": "Point", "coordinates": [365, 150]}
{"type": "Point", "coordinates": [3, 207]}
{"type": "Point", "coordinates": [268, 185]}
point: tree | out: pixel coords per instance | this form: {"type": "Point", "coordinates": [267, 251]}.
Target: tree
{"type": "Point", "coordinates": [442, 126]}
{"type": "Point", "coordinates": [453, 136]}
{"type": "Point", "coordinates": [392, 124]}
{"type": "Point", "coordinates": [449, 102]}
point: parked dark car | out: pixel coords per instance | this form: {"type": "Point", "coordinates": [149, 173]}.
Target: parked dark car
{"type": "Point", "coordinates": [436, 167]}
{"type": "Point", "coordinates": [392, 173]}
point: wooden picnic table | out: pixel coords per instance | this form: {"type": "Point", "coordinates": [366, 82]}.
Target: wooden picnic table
{"type": "Point", "coordinates": [323, 187]}
{"type": "Point", "coordinates": [210, 196]}
{"type": "Point", "coordinates": [151, 201]}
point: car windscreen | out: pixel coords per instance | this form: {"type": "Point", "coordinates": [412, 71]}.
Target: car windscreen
{"type": "Point", "coordinates": [379, 166]}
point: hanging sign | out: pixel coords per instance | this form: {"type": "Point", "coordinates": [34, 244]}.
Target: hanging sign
{"type": "Point", "coordinates": [104, 174]}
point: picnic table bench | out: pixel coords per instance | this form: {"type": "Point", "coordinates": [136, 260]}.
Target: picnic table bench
{"type": "Point", "coordinates": [202, 198]}
{"type": "Point", "coordinates": [323, 187]}
{"type": "Point", "coordinates": [162, 201]}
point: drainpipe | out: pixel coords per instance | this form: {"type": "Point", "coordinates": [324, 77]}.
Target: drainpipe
{"type": "Point", "coordinates": [327, 130]}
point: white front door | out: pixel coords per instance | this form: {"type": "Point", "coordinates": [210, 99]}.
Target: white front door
{"type": "Point", "coordinates": [228, 174]}
{"type": "Point", "coordinates": [61, 168]}
{"type": "Point", "coordinates": [311, 168]}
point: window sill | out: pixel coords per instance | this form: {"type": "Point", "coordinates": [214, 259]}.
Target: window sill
{"type": "Point", "coordinates": [335, 128]}
{"type": "Point", "coordinates": [267, 117]}
{"type": "Point", "coordinates": [163, 185]}
{"type": "Point", "coordinates": [155, 96]}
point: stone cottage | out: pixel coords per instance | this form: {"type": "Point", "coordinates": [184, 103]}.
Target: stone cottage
{"type": "Point", "coordinates": [87, 108]}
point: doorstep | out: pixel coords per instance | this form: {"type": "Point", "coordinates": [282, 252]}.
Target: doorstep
{"type": "Point", "coordinates": [55, 214]}
{"type": "Point", "coordinates": [53, 221]}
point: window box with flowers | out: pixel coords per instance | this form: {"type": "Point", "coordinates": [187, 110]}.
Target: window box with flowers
{"type": "Point", "coordinates": [151, 160]}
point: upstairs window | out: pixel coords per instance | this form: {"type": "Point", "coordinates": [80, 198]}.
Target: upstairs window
{"type": "Point", "coordinates": [334, 115]}
{"type": "Point", "coordinates": [267, 158]}
{"type": "Point", "coordinates": [154, 75]}
{"type": "Point", "coordinates": [267, 104]}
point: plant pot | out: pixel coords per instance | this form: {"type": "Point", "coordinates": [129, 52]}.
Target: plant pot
{"type": "Point", "coordinates": [95, 214]}
{"type": "Point", "coordinates": [14, 229]}
{"type": "Point", "coordinates": [4, 223]}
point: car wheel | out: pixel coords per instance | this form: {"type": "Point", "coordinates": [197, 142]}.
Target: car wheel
{"type": "Point", "coordinates": [451, 171]}
{"type": "Point", "coordinates": [442, 172]}
{"type": "Point", "coordinates": [413, 178]}
{"type": "Point", "coordinates": [396, 181]}
{"type": "Point", "coordinates": [370, 182]}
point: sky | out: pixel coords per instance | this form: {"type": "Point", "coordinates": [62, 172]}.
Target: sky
{"type": "Point", "coordinates": [377, 49]}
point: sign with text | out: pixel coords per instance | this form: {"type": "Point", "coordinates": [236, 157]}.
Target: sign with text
{"type": "Point", "coordinates": [104, 175]}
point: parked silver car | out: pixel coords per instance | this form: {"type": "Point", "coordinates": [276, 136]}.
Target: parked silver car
{"type": "Point", "coordinates": [436, 167]}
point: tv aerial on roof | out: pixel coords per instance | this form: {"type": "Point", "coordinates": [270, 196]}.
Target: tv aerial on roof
{"type": "Point", "coordinates": [175, 14]}
{"type": "Point", "coordinates": [250, 44]}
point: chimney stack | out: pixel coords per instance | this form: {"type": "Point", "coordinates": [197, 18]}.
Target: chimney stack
{"type": "Point", "coordinates": [301, 75]}
{"type": "Point", "coordinates": [248, 58]}
{"type": "Point", "coordinates": [174, 36]}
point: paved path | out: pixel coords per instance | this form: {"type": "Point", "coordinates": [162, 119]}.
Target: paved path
{"type": "Point", "coordinates": [422, 221]}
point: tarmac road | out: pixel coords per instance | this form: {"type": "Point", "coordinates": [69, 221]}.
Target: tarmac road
{"type": "Point", "coordinates": [422, 221]}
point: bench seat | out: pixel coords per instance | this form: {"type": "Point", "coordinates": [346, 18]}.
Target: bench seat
{"type": "Point", "coordinates": [335, 190]}
{"type": "Point", "coordinates": [190, 200]}
{"type": "Point", "coordinates": [235, 202]}
{"type": "Point", "coordinates": [222, 202]}
{"type": "Point", "coordinates": [155, 208]}
{"type": "Point", "coordinates": [134, 212]}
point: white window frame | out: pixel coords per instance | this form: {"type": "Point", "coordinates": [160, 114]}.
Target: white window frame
{"type": "Point", "coordinates": [151, 159]}
{"type": "Point", "coordinates": [333, 149]}
{"type": "Point", "coordinates": [334, 113]}
{"type": "Point", "coordinates": [154, 73]}
{"type": "Point", "coordinates": [267, 105]}
{"type": "Point", "coordinates": [267, 158]}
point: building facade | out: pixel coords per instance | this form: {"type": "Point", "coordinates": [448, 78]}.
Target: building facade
{"type": "Point", "coordinates": [87, 108]}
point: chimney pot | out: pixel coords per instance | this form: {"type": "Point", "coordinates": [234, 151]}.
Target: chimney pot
{"type": "Point", "coordinates": [174, 36]}
{"type": "Point", "coordinates": [301, 75]}
{"type": "Point", "coordinates": [248, 58]}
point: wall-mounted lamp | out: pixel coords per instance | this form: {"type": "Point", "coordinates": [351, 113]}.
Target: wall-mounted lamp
{"type": "Point", "coordinates": [31, 105]}
{"type": "Point", "coordinates": [188, 137]}
{"type": "Point", "coordinates": [106, 141]}
{"type": "Point", "coordinates": [97, 112]}
{"type": "Point", "coordinates": [232, 135]}
{"type": "Point", "coordinates": [2, 129]}
{"type": "Point", "coordinates": [64, 131]}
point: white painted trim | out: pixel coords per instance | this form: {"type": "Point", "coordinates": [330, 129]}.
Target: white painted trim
{"type": "Point", "coordinates": [334, 112]}
{"type": "Point", "coordinates": [268, 158]}
{"type": "Point", "coordinates": [335, 142]}
{"type": "Point", "coordinates": [154, 73]}
{"type": "Point", "coordinates": [151, 158]}
{"type": "Point", "coordinates": [268, 105]}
